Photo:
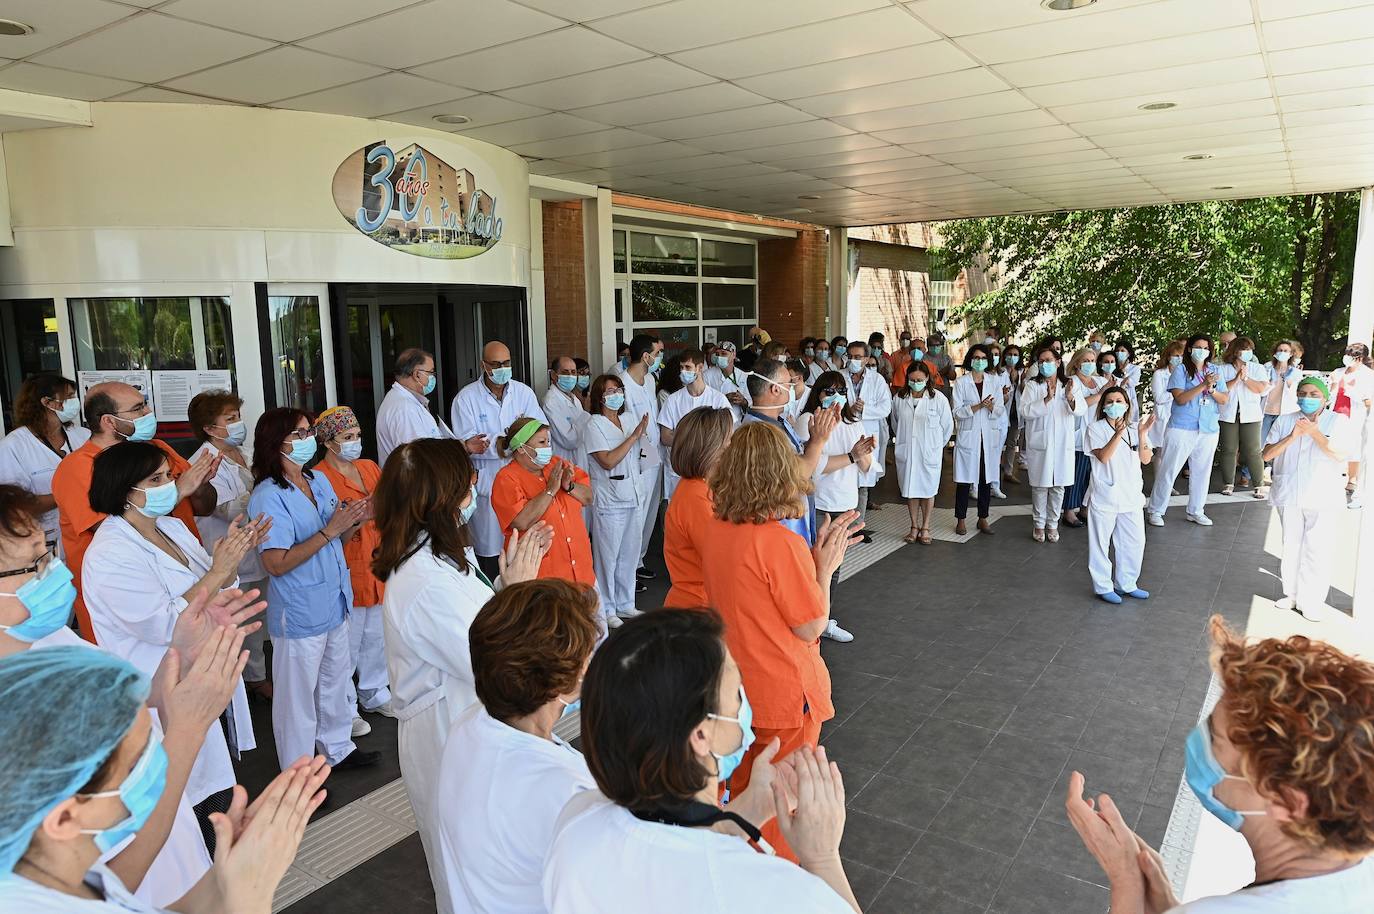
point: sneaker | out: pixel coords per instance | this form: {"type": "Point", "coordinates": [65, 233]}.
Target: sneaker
{"type": "Point", "coordinates": [1312, 614]}
{"type": "Point", "coordinates": [835, 633]}
{"type": "Point", "coordinates": [360, 727]}
{"type": "Point", "coordinates": [640, 587]}
{"type": "Point", "coordinates": [628, 613]}
{"type": "Point", "coordinates": [1136, 594]}
{"type": "Point", "coordinates": [1285, 603]}
{"type": "Point", "coordinates": [1228, 490]}
{"type": "Point", "coordinates": [1110, 596]}
{"type": "Point", "coordinates": [1261, 493]}
{"type": "Point", "coordinates": [997, 492]}
{"type": "Point", "coordinates": [1354, 504]}
{"type": "Point", "coordinates": [645, 574]}
{"type": "Point", "coordinates": [1154, 520]}
{"type": "Point", "coordinates": [385, 709]}
{"type": "Point", "coordinates": [613, 622]}
{"type": "Point", "coordinates": [1202, 520]}
{"type": "Point", "coordinates": [358, 759]}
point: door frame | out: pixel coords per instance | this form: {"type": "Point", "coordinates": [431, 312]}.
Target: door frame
{"type": "Point", "coordinates": [321, 293]}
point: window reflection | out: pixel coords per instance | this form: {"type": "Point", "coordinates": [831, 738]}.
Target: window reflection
{"type": "Point", "coordinates": [297, 352]}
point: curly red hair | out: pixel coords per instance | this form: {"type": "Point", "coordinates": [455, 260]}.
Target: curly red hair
{"type": "Point", "coordinates": [1302, 716]}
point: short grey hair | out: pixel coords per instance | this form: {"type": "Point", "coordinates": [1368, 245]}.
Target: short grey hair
{"type": "Point", "coordinates": [409, 360]}
{"type": "Point", "coordinates": [766, 369]}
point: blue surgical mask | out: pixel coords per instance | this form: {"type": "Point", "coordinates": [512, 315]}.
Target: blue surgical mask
{"type": "Point", "coordinates": [1123, 355]}
{"type": "Point", "coordinates": [657, 363]}
{"type": "Point", "coordinates": [822, 354]}
{"type": "Point", "coordinates": [139, 793]}
{"type": "Point", "coordinates": [570, 707]}
{"type": "Point", "coordinates": [1013, 360]}
{"type": "Point", "coordinates": [429, 385]}
{"type": "Point", "coordinates": [1200, 354]}
{"type": "Point", "coordinates": [688, 377]}
{"type": "Point", "coordinates": [566, 382]}
{"type": "Point", "coordinates": [584, 381]}
{"type": "Point", "coordinates": [1087, 368]}
{"type": "Point", "coordinates": [996, 360]}
{"type": "Point", "coordinates": [49, 602]}
{"type": "Point", "coordinates": [351, 450]}
{"type": "Point", "coordinates": [145, 427]}
{"type": "Point", "coordinates": [70, 407]}
{"type": "Point", "coordinates": [500, 376]}
{"type": "Point", "coordinates": [937, 349]}
{"type": "Point", "coordinates": [917, 354]}
{"type": "Point", "coordinates": [722, 362]}
{"type": "Point", "coordinates": [917, 386]}
{"type": "Point", "coordinates": [1095, 346]}
{"type": "Point", "coordinates": [1282, 356]}
{"type": "Point", "coordinates": [236, 433]}
{"type": "Point", "coordinates": [877, 350]}
{"type": "Point", "coordinates": [1047, 369]}
{"type": "Point", "coordinates": [1114, 410]}
{"type": "Point", "coordinates": [833, 400]}
{"type": "Point", "coordinates": [1310, 405]}
{"type": "Point", "coordinates": [856, 366]}
{"type": "Point", "coordinates": [159, 500]}
{"type": "Point", "coordinates": [624, 362]}
{"type": "Point", "coordinates": [542, 455]}
{"type": "Point", "coordinates": [728, 763]}
{"type": "Point", "coordinates": [615, 401]}
{"type": "Point", "coordinates": [466, 511]}
{"type": "Point", "coordinates": [979, 364]}
{"type": "Point", "coordinates": [809, 351]}
{"type": "Point", "coordinates": [302, 450]}
{"type": "Point", "coordinates": [1247, 355]}
{"type": "Point", "coordinates": [1175, 361]}
{"type": "Point", "coordinates": [1203, 773]}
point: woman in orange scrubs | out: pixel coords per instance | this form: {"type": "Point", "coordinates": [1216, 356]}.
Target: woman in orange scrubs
{"type": "Point", "coordinates": [772, 591]}
{"type": "Point", "coordinates": [698, 441]}
{"type": "Point", "coordinates": [537, 486]}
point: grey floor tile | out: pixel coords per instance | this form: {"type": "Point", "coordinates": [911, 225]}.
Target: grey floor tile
{"type": "Point", "coordinates": [988, 827]}
{"type": "Point", "coordinates": [1036, 722]}
{"type": "Point", "coordinates": [887, 797]}
{"type": "Point", "coordinates": [931, 767]}
{"type": "Point", "coordinates": [952, 737]}
{"type": "Point", "coordinates": [998, 786]}
{"type": "Point", "coordinates": [874, 842]}
{"type": "Point", "coordinates": [902, 897]}
{"type": "Point", "coordinates": [1026, 668]}
{"type": "Point", "coordinates": [966, 872]}
{"type": "Point", "coordinates": [1154, 822]}
{"type": "Point", "coordinates": [868, 743]}
{"type": "Point", "coordinates": [1121, 778]}
{"type": "Point", "coordinates": [1056, 847]}
{"type": "Point", "coordinates": [1029, 889]}
{"type": "Point", "coordinates": [865, 882]}
{"type": "Point", "coordinates": [990, 713]}
{"type": "Point", "coordinates": [1029, 756]}
{"type": "Point", "coordinates": [999, 688]}
{"type": "Point", "coordinates": [927, 670]}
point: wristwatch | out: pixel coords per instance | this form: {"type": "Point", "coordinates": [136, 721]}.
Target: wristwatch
{"type": "Point", "coordinates": [850, 455]}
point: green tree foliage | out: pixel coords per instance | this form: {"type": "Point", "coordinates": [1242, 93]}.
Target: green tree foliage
{"type": "Point", "coordinates": [1270, 268]}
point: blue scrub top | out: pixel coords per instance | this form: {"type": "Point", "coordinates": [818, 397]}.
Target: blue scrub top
{"type": "Point", "coordinates": [313, 598]}
{"type": "Point", "coordinates": [1200, 413]}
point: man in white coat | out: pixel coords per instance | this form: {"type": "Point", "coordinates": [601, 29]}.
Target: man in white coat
{"type": "Point", "coordinates": [872, 398]}
{"type": "Point", "coordinates": [566, 414]}
{"type": "Point", "coordinates": [727, 378]}
{"type": "Point", "coordinates": [481, 413]}
{"type": "Point", "coordinates": [405, 413]}
{"type": "Point", "coordinates": [641, 399]}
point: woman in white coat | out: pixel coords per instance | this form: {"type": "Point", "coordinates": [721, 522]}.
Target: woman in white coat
{"type": "Point", "coordinates": [978, 409]}
{"type": "Point", "coordinates": [1309, 449]}
{"type": "Point", "coordinates": [1049, 408]}
{"type": "Point", "coordinates": [870, 396]}
{"type": "Point", "coordinates": [1088, 386]}
{"type": "Point", "coordinates": [433, 591]}
{"type": "Point", "coordinates": [1118, 448]}
{"type": "Point", "coordinates": [613, 447]}
{"type": "Point", "coordinates": [45, 431]}
{"type": "Point", "coordinates": [924, 424]}
{"type": "Point", "coordinates": [1353, 397]}
{"type": "Point", "coordinates": [140, 571]}
{"type": "Point", "coordinates": [1170, 357]}
{"type": "Point", "coordinates": [997, 371]}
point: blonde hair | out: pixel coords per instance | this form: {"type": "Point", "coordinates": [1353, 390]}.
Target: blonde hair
{"type": "Point", "coordinates": [1078, 358]}
{"type": "Point", "coordinates": [1168, 352]}
{"type": "Point", "coordinates": [759, 477]}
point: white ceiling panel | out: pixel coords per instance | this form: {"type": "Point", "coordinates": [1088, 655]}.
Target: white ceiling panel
{"type": "Point", "coordinates": [482, 110]}
{"type": "Point", "coordinates": [1004, 171]}
{"type": "Point", "coordinates": [771, 136]}
{"type": "Point", "coordinates": [681, 103]}
{"type": "Point", "coordinates": [434, 30]}
{"type": "Point", "coordinates": [1185, 99]}
{"type": "Point", "coordinates": [974, 126]}
{"type": "Point", "coordinates": [830, 146]}
{"type": "Point", "coordinates": [993, 140]}
{"type": "Point", "coordinates": [894, 95]}
{"type": "Point", "coordinates": [1305, 31]}
{"type": "Point", "coordinates": [855, 73]}
{"type": "Point", "coordinates": [1163, 153]}
{"type": "Point", "coordinates": [1164, 121]}
{"type": "Point", "coordinates": [879, 157]}
{"type": "Point", "coordinates": [634, 155]}
{"type": "Point", "coordinates": [283, 72]}
{"type": "Point", "coordinates": [277, 20]}
{"type": "Point", "coordinates": [1334, 98]}
{"type": "Point", "coordinates": [533, 129]}
{"type": "Point", "coordinates": [1015, 153]}
{"type": "Point", "coordinates": [376, 96]}
{"type": "Point", "coordinates": [915, 175]}
{"type": "Point", "coordinates": [166, 96]}
{"type": "Point", "coordinates": [150, 48]}
{"type": "Point", "coordinates": [1242, 127]}
{"type": "Point", "coordinates": [1322, 57]}
{"type": "Point", "coordinates": [706, 176]}
{"type": "Point", "coordinates": [1355, 114]}
{"type": "Point", "coordinates": [967, 17]}
{"type": "Point", "coordinates": [679, 169]}
{"type": "Point", "coordinates": [772, 114]}
{"type": "Point", "coordinates": [30, 77]}
{"type": "Point", "coordinates": [959, 109]}
{"type": "Point", "coordinates": [568, 146]}
{"type": "Point", "coordinates": [848, 36]}
{"type": "Point", "coordinates": [631, 80]}
{"type": "Point", "coordinates": [587, 10]}
{"type": "Point", "coordinates": [684, 24]}
{"type": "Point", "coordinates": [552, 55]}
{"type": "Point", "coordinates": [1146, 55]}
{"type": "Point", "coordinates": [1325, 80]}
{"type": "Point", "coordinates": [1159, 84]}
{"type": "Point", "coordinates": [56, 22]}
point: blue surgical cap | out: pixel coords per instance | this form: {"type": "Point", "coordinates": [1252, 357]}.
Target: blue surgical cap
{"type": "Point", "coordinates": [63, 712]}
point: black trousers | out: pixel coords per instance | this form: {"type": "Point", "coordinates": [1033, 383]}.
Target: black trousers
{"type": "Point", "coordinates": [962, 492]}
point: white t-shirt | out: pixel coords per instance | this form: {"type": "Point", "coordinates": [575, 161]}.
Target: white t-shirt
{"type": "Point", "coordinates": [668, 869]}
{"type": "Point", "coordinates": [613, 488]}
{"type": "Point", "coordinates": [18, 894]}
{"type": "Point", "coordinates": [499, 794]}
{"type": "Point", "coordinates": [1350, 891]}
{"type": "Point", "coordinates": [1115, 485]}
{"type": "Point", "coordinates": [837, 491]}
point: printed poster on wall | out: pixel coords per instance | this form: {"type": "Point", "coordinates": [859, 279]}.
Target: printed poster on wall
{"type": "Point", "coordinates": [173, 390]}
{"type": "Point", "coordinates": [411, 200]}
{"type": "Point", "coordinates": [141, 381]}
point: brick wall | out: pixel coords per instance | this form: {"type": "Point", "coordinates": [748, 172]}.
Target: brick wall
{"type": "Point", "coordinates": [565, 280]}
{"type": "Point", "coordinates": [792, 285]}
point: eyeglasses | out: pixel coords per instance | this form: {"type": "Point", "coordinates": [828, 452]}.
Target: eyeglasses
{"type": "Point", "coordinates": [140, 407]}
{"type": "Point", "coordinates": [300, 434]}
{"type": "Point", "coordinates": [831, 391]}
{"type": "Point", "coordinates": [39, 568]}
{"type": "Point", "coordinates": [495, 364]}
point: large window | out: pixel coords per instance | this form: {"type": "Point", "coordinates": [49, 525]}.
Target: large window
{"type": "Point", "coordinates": [941, 299]}
{"type": "Point", "coordinates": [28, 336]}
{"type": "Point", "coordinates": [684, 287]}
{"type": "Point", "coordinates": [297, 352]}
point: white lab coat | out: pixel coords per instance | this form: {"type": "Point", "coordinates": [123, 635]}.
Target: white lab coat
{"type": "Point", "coordinates": [567, 419]}
{"type": "Point", "coordinates": [1358, 381]}
{"type": "Point", "coordinates": [668, 869]}
{"type": "Point", "coordinates": [183, 859]}
{"type": "Point", "coordinates": [133, 592]}
{"type": "Point", "coordinates": [476, 412]}
{"type": "Point", "coordinates": [29, 463]}
{"type": "Point", "coordinates": [427, 609]}
{"type": "Point", "coordinates": [1244, 405]}
{"type": "Point", "coordinates": [979, 432]}
{"type": "Point", "coordinates": [1083, 389]}
{"type": "Point", "coordinates": [1115, 485]}
{"type": "Point", "coordinates": [924, 424]}
{"type": "Point", "coordinates": [403, 417]}
{"type": "Point", "coordinates": [233, 486]}
{"type": "Point", "coordinates": [735, 382]}
{"type": "Point", "coordinates": [616, 521]}
{"type": "Point", "coordinates": [680, 403]}
{"type": "Point", "coordinates": [876, 393]}
{"type": "Point", "coordinates": [500, 791]}
{"type": "Point", "coordinates": [1283, 392]}
{"type": "Point", "coordinates": [1164, 405]}
{"type": "Point", "coordinates": [1050, 431]}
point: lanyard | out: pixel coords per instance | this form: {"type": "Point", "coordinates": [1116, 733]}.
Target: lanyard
{"type": "Point", "coordinates": [472, 566]}
{"type": "Point", "coordinates": [694, 814]}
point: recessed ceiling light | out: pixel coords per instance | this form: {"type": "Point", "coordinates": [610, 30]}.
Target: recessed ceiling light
{"type": "Point", "coordinates": [809, 197]}
{"type": "Point", "coordinates": [1197, 157]}
{"type": "Point", "coordinates": [453, 119]}
{"type": "Point", "coordinates": [1224, 187]}
{"type": "Point", "coordinates": [1064, 6]}
{"type": "Point", "coordinates": [9, 28]}
{"type": "Point", "coordinates": [1158, 106]}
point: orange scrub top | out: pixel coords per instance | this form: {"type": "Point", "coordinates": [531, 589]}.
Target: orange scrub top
{"type": "Point", "coordinates": [899, 376]}
{"type": "Point", "coordinates": [367, 590]}
{"type": "Point", "coordinates": [570, 556]}
{"type": "Point", "coordinates": [688, 518]}
{"type": "Point", "coordinates": [761, 578]}
{"type": "Point", "coordinates": [71, 489]}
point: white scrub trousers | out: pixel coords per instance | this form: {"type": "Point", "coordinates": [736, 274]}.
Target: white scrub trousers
{"type": "Point", "coordinates": [1307, 548]}
{"type": "Point", "coordinates": [256, 668]}
{"type": "Point", "coordinates": [1182, 446]}
{"type": "Point", "coordinates": [310, 710]}
{"type": "Point", "coordinates": [1124, 531]}
{"type": "Point", "coordinates": [366, 651]}
{"type": "Point", "coordinates": [1047, 506]}
{"type": "Point", "coordinates": [649, 490]}
{"type": "Point", "coordinates": [615, 533]}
